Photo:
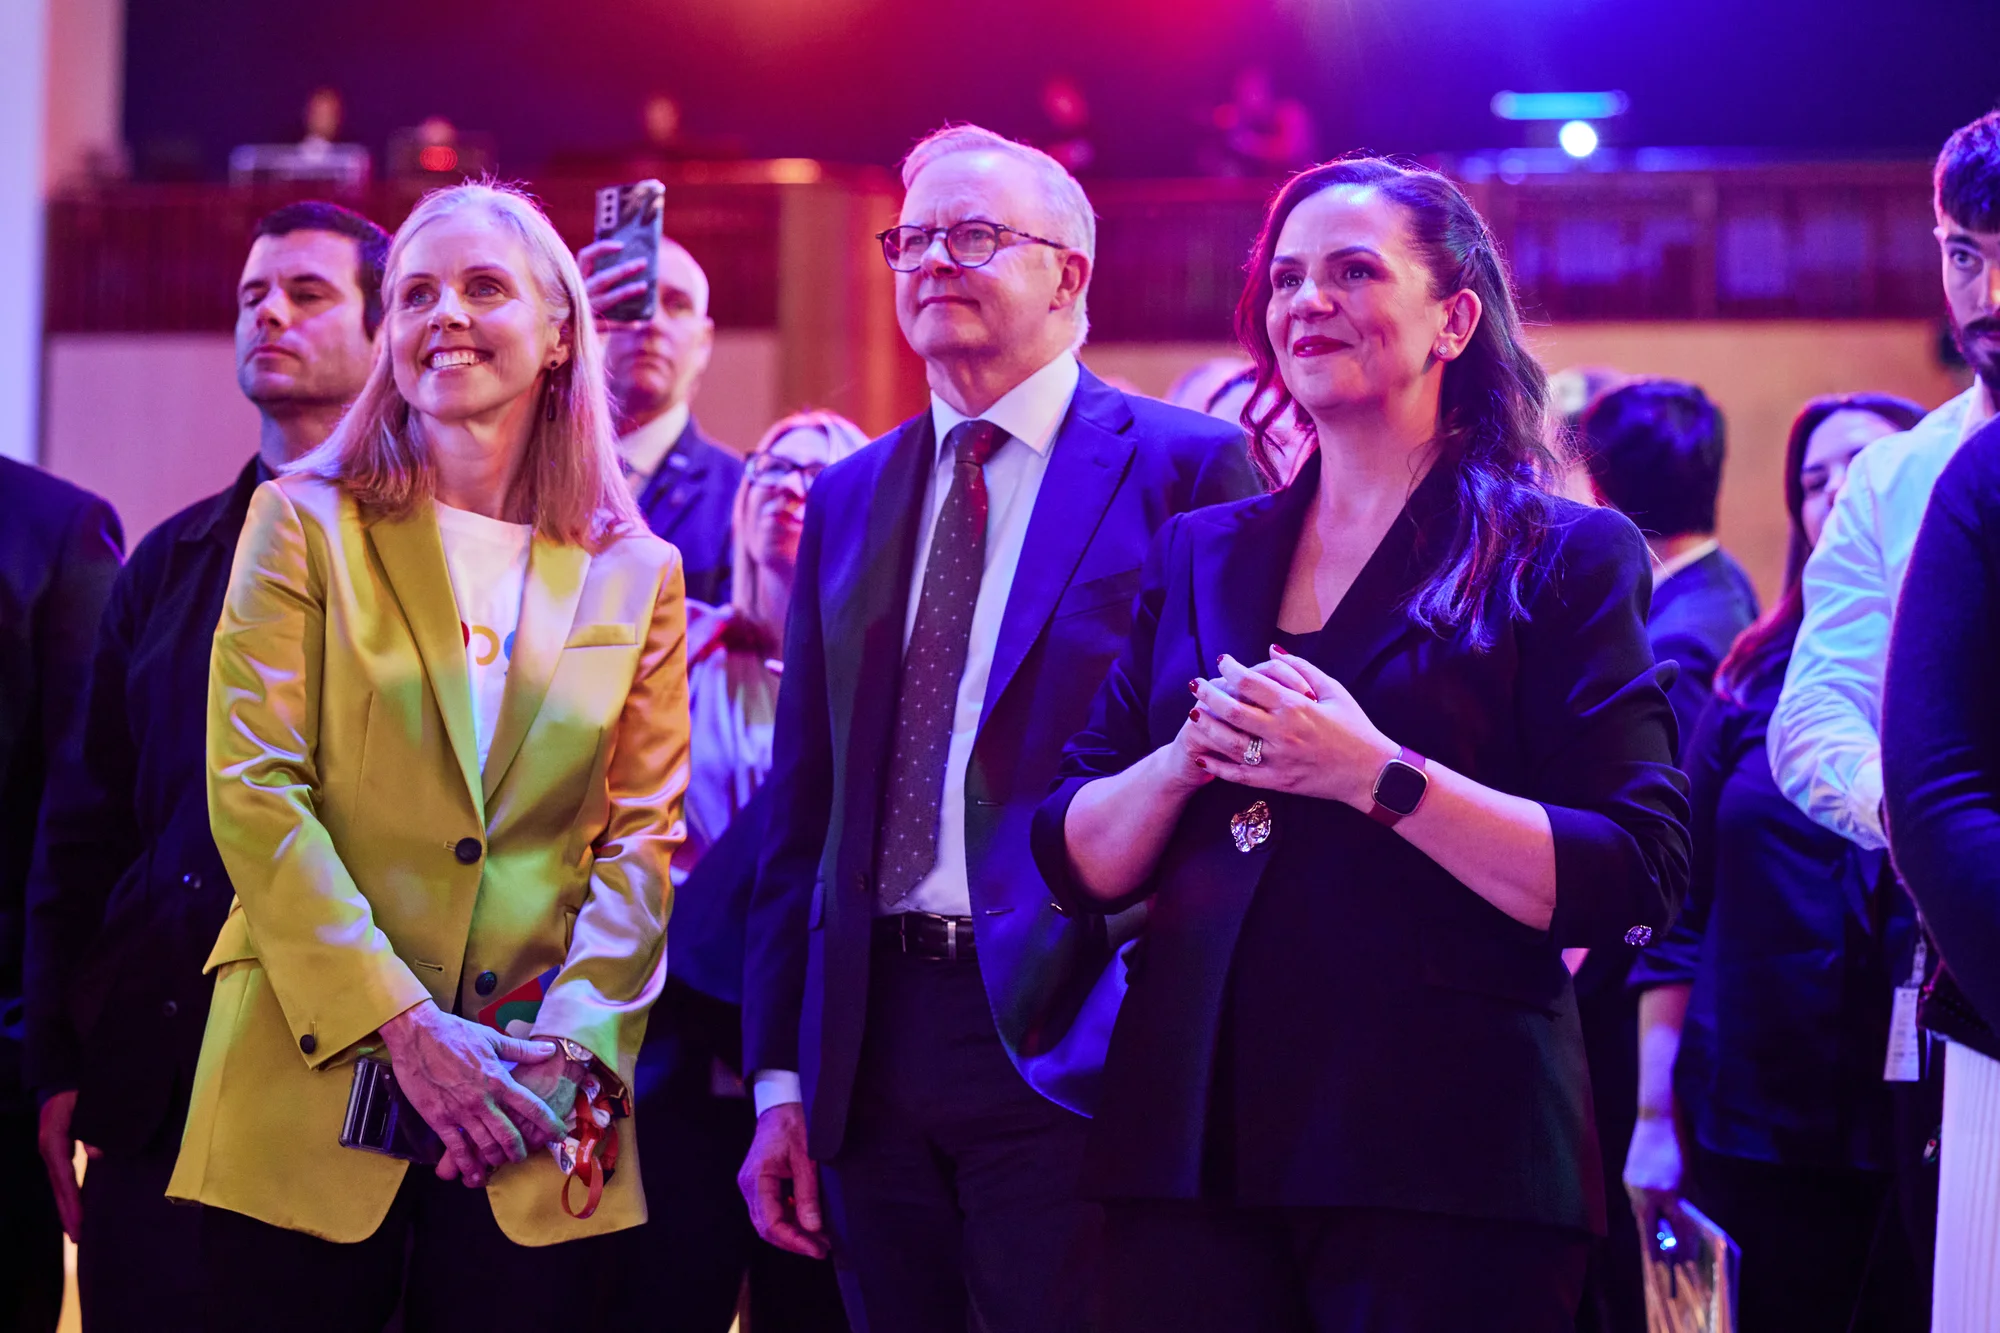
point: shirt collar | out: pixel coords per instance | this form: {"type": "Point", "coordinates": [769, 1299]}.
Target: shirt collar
{"type": "Point", "coordinates": [1666, 569]}
{"type": "Point", "coordinates": [1030, 412]}
{"type": "Point", "coordinates": [1978, 410]}
{"type": "Point", "coordinates": [647, 447]}
{"type": "Point", "coordinates": [231, 505]}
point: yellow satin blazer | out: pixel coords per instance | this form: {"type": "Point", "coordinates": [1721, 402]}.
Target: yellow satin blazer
{"type": "Point", "coordinates": [375, 865]}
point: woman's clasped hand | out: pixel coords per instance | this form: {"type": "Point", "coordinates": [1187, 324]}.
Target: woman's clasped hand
{"type": "Point", "coordinates": [485, 1093]}
{"type": "Point", "coordinates": [1302, 728]}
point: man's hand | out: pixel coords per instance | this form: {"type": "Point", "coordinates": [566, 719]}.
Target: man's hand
{"type": "Point", "coordinates": [608, 284]}
{"type": "Point", "coordinates": [59, 1158]}
{"type": "Point", "coordinates": [555, 1080]}
{"type": "Point", "coordinates": [459, 1076]}
{"type": "Point", "coordinates": [1653, 1173]}
{"type": "Point", "coordinates": [777, 1158]}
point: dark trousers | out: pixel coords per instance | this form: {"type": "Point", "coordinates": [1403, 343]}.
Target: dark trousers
{"type": "Point", "coordinates": [1823, 1250]}
{"type": "Point", "coordinates": [138, 1263]}
{"type": "Point", "coordinates": [1614, 1294]}
{"type": "Point", "coordinates": [953, 1200]}
{"type": "Point", "coordinates": [1916, 1114]}
{"type": "Point", "coordinates": [1176, 1266]}
{"type": "Point", "coordinates": [439, 1251]}
{"type": "Point", "coordinates": [683, 1270]}
{"type": "Point", "coordinates": [31, 1262]}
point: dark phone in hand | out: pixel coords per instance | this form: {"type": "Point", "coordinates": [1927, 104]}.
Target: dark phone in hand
{"type": "Point", "coordinates": [380, 1118]}
{"type": "Point", "coordinates": [630, 215]}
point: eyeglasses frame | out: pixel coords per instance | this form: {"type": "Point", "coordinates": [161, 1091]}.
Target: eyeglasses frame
{"type": "Point", "coordinates": [932, 233]}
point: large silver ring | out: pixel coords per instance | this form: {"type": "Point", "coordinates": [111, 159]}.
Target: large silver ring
{"type": "Point", "coordinates": [1253, 753]}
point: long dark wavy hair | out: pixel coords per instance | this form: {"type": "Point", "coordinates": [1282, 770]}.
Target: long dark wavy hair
{"type": "Point", "coordinates": [1493, 419]}
{"type": "Point", "coordinates": [1765, 648]}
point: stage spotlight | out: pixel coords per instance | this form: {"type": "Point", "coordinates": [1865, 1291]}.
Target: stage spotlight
{"type": "Point", "coordinates": [1578, 138]}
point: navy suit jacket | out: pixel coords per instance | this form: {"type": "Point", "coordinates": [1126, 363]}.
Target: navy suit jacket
{"type": "Point", "coordinates": [1120, 466]}
{"type": "Point", "coordinates": [59, 552]}
{"type": "Point", "coordinates": [689, 501]}
{"type": "Point", "coordinates": [1697, 615]}
{"type": "Point", "coordinates": [1439, 1063]}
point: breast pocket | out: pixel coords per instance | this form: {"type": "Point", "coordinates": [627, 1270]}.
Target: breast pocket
{"type": "Point", "coordinates": [610, 635]}
{"type": "Point", "coordinates": [1108, 590]}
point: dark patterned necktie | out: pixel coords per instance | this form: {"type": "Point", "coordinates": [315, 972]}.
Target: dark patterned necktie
{"type": "Point", "coordinates": [932, 665]}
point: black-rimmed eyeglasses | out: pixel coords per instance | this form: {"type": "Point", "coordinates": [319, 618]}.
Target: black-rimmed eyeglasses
{"type": "Point", "coordinates": [971, 243]}
{"type": "Point", "coordinates": [775, 470]}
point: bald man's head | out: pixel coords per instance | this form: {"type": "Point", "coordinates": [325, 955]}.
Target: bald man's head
{"type": "Point", "coordinates": [655, 366]}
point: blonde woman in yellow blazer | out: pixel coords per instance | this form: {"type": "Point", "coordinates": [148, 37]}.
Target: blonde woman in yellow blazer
{"type": "Point", "coordinates": [391, 884]}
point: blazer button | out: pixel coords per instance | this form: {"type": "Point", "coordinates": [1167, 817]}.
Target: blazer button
{"type": "Point", "coordinates": [467, 850]}
{"type": "Point", "coordinates": [308, 1043]}
{"type": "Point", "coordinates": [486, 982]}
{"type": "Point", "coordinates": [1639, 936]}
{"type": "Point", "coordinates": [191, 879]}
{"type": "Point", "coordinates": [170, 1008]}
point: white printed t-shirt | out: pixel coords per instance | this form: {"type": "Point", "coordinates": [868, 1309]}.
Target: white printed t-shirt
{"type": "Point", "coordinates": [488, 563]}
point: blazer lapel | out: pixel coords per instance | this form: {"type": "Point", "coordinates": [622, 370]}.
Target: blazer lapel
{"type": "Point", "coordinates": [1374, 615]}
{"type": "Point", "coordinates": [412, 556]}
{"type": "Point", "coordinates": [548, 605]}
{"type": "Point", "coordinates": [1087, 461]}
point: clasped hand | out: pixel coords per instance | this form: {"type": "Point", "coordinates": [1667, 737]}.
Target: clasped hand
{"type": "Point", "coordinates": [1316, 740]}
{"type": "Point", "coordinates": [492, 1098]}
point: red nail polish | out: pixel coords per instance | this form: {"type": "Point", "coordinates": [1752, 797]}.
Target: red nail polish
{"type": "Point", "coordinates": [1194, 687]}
{"type": "Point", "coordinates": [1201, 764]}
{"type": "Point", "coordinates": [1194, 715]}
{"type": "Point", "coordinates": [1218, 660]}
{"type": "Point", "coordinates": [1277, 651]}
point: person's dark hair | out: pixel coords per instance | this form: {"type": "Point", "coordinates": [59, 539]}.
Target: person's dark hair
{"type": "Point", "coordinates": [1493, 429]}
{"type": "Point", "coordinates": [1654, 448]}
{"type": "Point", "coordinates": [1765, 647]}
{"type": "Point", "coordinates": [370, 242]}
{"type": "Point", "coordinates": [1967, 176]}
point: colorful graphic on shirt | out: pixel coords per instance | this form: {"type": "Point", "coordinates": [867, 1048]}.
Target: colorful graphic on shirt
{"type": "Point", "coordinates": [495, 645]}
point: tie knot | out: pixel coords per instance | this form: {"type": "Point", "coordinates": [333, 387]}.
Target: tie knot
{"type": "Point", "coordinates": [973, 442]}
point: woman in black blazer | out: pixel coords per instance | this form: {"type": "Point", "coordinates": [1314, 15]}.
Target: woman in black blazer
{"type": "Point", "coordinates": [1764, 1012]}
{"type": "Point", "coordinates": [1347, 1087]}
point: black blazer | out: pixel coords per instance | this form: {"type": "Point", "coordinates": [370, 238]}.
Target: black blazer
{"type": "Point", "coordinates": [1454, 1080]}
{"type": "Point", "coordinates": [1781, 1051]}
{"type": "Point", "coordinates": [1120, 466]}
{"type": "Point", "coordinates": [59, 551]}
{"type": "Point", "coordinates": [1696, 616]}
{"type": "Point", "coordinates": [1941, 736]}
{"type": "Point", "coordinates": [129, 891]}
{"type": "Point", "coordinates": [689, 501]}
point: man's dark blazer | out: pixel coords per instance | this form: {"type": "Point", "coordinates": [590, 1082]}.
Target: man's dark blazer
{"type": "Point", "coordinates": [1458, 1083]}
{"type": "Point", "coordinates": [128, 891]}
{"type": "Point", "coordinates": [59, 552]}
{"type": "Point", "coordinates": [1120, 466]}
{"type": "Point", "coordinates": [1697, 615]}
{"type": "Point", "coordinates": [688, 501]}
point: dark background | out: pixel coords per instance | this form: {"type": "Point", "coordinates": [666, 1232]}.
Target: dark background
{"type": "Point", "coordinates": [859, 80]}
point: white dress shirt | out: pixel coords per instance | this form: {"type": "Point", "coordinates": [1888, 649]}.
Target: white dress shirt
{"type": "Point", "coordinates": [1824, 741]}
{"type": "Point", "coordinates": [647, 447]}
{"type": "Point", "coordinates": [1031, 412]}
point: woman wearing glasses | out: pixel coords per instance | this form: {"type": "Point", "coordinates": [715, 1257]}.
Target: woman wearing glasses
{"type": "Point", "coordinates": [698, 1242]}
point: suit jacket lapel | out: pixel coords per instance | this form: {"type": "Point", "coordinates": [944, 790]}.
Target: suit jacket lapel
{"type": "Point", "coordinates": [412, 556]}
{"type": "Point", "coordinates": [1086, 462]}
{"type": "Point", "coordinates": [548, 605]}
{"type": "Point", "coordinates": [661, 501]}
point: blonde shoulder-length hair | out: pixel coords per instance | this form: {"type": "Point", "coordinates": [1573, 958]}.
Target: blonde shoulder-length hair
{"type": "Point", "coordinates": [568, 484]}
{"type": "Point", "coordinates": [843, 437]}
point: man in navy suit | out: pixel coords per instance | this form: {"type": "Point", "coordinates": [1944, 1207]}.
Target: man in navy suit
{"type": "Point", "coordinates": [684, 482]}
{"type": "Point", "coordinates": [963, 585]}
{"type": "Point", "coordinates": [1655, 449]}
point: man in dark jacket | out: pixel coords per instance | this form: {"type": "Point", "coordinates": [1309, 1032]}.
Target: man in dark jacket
{"type": "Point", "coordinates": [1655, 449]}
{"type": "Point", "coordinates": [59, 551]}
{"type": "Point", "coordinates": [128, 891]}
{"type": "Point", "coordinates": [685, 483]}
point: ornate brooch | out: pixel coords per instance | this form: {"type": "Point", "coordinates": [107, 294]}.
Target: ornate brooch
{"type": "Point", "coordinates": [1251, 827]}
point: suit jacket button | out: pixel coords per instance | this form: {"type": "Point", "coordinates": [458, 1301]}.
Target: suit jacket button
{"type": "Point", "coordinates": [170, 1008]}
{"type": "Point", "coordinates": [467, 850]}
{"type": "Point", "coordinates": [486, 982]}
{"type": "Point", "coordinates": [191, 879]}
{"type": "Point", "coordinates": [308, 1043]}
{"type": "Point", "coordinates": [1639, 936]}
{"type": "Point", "coordinates": [1058, 908]}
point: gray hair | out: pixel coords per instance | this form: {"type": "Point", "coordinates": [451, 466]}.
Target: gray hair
{"type": "Point", "coordinates": [1076, 224]}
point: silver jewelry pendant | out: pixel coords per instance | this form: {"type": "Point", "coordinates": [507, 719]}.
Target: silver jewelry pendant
{"type": "Point", "coordinates": [1251, 828]}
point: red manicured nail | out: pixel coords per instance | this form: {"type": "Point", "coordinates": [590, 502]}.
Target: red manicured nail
{"type": "Point", "coordinates": [1194, 715]}
{"type": "Point", "coordinates": [1201, 764]}
{"type": "Point", "coordinates": [1276, 651]}
{"type": "Point", "coordinates": [1218, 660]}
{"type": "Point", "coordinates": [1194, 687]}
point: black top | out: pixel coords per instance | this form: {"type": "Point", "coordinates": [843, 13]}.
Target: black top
{"type": "Point", "coordinates": [1397, 1041]}
{"type": "Point", "coordinates": [129, 891]}
{"type": "Point", "coordinates": [1787, 1021]}
{"type": "Point", "coordinates": [59, 551]}
{"type": "Point", "coordinates": [1941, 721]}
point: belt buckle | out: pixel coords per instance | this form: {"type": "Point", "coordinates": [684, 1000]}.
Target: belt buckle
{"type": "Point", "coordinates": [951, 939]}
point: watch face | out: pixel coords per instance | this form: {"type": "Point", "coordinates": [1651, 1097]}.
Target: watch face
{"type": "Point", "coordinates": [1401, 787]}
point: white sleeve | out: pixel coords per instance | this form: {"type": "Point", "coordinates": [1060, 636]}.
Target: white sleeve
{"type": "Point", "coordinates": [1824, 741]}
{"type": "Point", "coordinates": [774, 1087]}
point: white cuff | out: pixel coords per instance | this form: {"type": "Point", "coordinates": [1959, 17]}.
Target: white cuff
{"type": "Point", "coordinates": [1864, 804]}
{"type": "Point", "coordinates": [774, 1087]}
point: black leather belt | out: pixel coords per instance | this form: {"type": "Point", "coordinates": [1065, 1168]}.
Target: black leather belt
{"type": "Point", "coordinates": [927, 935]}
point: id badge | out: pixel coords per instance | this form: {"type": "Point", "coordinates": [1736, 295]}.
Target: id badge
{"type": "Point", "coordinates": [1904, 1060]}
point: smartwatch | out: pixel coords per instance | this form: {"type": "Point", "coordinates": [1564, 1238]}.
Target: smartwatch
{"type": "Point", "coordinates": [1399, 788]}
